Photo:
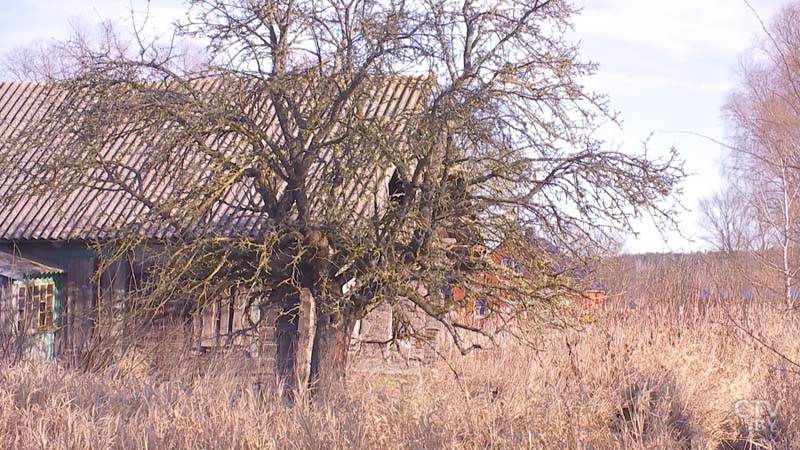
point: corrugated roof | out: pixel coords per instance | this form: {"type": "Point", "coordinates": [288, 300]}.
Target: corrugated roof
{"type": "Point", "coordinates": [89, 213]}
{"type": "Point", "coordinates": [16, 267]}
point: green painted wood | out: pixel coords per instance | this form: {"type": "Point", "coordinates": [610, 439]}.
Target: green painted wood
{"type": "Point", "coordinates": [45, 341]}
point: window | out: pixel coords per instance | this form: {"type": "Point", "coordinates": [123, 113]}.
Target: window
{"type": "Point", "coordinates": [447, 293]}
{"type": "Point", "coordinates": [512, 264]}
{"type": "Point", "coordinates": [397, 189]}
{"type": "Point", "coordinates": [481, 308]}
{"type": "Point", "coordinates": [36, 302]}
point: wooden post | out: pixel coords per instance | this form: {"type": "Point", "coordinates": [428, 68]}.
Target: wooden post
{"type": "Point", "coordinates": [217, 321]}
{"type": "Point", "coordinates": [231, 310]}
{"type": "Point", "coordinates": [197, 331]}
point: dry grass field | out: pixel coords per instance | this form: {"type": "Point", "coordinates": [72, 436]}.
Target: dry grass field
{"type": "Point", "coordinates": [667, 377]}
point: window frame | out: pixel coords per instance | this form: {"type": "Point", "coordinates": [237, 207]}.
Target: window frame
{"type": "Point", "coordinates": [481, 308]}
{"type": "Point", "coordinates": [35, 305]}
{"type": "Point", "coordinates": [512, 264]}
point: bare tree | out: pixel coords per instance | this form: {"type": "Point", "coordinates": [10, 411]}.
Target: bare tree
{"type": "Point", "coordinates": [764, 113]}
{"type": "Point", "coordinates": [729, 221]}
{"type": "Point", "coordinates": [276, 166]}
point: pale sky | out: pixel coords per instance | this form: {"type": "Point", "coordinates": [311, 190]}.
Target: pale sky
{"type": "Point", "coordinates": [669, 65]}
{"type": "Point", "coordinates": [666, 65]}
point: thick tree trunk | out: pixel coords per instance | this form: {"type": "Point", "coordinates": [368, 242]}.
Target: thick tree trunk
{"type": "Point", "coordinates": [312, 343]}
{"type": "Point", "coordinates": [286, 335]}
{"type": "Point", "coordinates": [329, 354]}
{"type": "Point", "coordinates": [322, 361]}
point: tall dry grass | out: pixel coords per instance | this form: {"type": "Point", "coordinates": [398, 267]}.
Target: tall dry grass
{"type": "Point", "coordinates": [666, 376]}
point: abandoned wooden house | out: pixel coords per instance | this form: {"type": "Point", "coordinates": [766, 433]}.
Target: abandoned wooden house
{"type": "Point", "coordinates": [48, 264]}
{"type": "Point", "coordinates": [55, 301]}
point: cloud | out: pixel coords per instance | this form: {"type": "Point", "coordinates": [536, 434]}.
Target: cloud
{"type": "Point", "coordinates": [681, 28]}
{"type": "Point", "coordinates": [631, 84]}
{"type": "Point", "coordinates": [24, 21]}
